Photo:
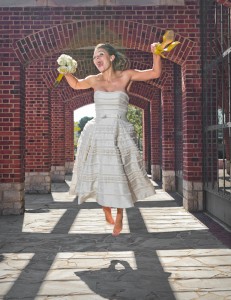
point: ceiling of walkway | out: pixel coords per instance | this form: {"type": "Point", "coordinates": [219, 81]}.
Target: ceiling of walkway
{"type": "Point", "coordinates": [73, 3]}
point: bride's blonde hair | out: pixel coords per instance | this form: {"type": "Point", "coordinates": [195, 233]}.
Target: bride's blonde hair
{"type": "Point", "coordinates": [121, 62]}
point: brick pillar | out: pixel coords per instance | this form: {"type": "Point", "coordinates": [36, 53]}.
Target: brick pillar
{"type": "Point", "coordinates": [57, 137]}
{"type": "Point", "coordinates": [146, 137]}
{"type": "Point", "coordinates": [155, 125]}
{"type": "Point", "coordinates": [69, 139]}
{"type": "Point", "coordinates": [192, 136]}
{"type": "Point", "coordinates": [12, 136]}
{"type": "Point", "coordinates": [168, 143]}
{"type": "Point", "coordinates": [38, 133]}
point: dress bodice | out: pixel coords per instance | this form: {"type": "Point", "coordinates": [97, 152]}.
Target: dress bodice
{"type": "Point", "coordinates": [111, 104]}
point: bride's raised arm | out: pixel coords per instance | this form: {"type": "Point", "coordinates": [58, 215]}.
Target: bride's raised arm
{"type": "Point", "coordinates": [144, 75]}
{"type": "Point", "coordinates": [80, 84]}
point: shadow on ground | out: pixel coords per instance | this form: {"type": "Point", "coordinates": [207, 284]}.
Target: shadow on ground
{"type": "Point", "coordinates": [59, 250]}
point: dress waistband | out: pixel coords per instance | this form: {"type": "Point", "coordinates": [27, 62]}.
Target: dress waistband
{"type": "Point", "coordinates": [115, 116]}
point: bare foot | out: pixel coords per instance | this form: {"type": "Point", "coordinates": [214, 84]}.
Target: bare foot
{"type": "Point", "coordinates": [118, 223]}
{"type": "Point", "coordinates": [108, 215]}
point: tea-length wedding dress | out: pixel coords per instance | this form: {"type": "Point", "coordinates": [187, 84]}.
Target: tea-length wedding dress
{"type": "Point", "coordinates": [108, 164]}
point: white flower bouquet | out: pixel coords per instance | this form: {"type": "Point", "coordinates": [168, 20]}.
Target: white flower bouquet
{"type": "Point", "coordinates": [67, 65]}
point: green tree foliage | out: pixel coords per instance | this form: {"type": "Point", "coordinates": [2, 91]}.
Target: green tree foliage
{"type": "Point", "coordinates": [83, 121]}
{"type": "Point", "coordinates": [78, 128]}
{"type": "Point", "coordinates": [134, 116]}
{"type": "Point", "coordinates": [76, 134]}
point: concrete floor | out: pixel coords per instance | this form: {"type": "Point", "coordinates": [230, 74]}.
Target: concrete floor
{"type": "Point", "coordinates": [59, 250]}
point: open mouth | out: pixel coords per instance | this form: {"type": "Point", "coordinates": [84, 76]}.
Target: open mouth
{"type": "Point", "coordinates": [99, 64]}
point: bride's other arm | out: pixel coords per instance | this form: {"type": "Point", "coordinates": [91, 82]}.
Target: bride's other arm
{"type": "Point", "coordinates": [80, 84]}
{"type": "Point", "coordinates": [144, 75]}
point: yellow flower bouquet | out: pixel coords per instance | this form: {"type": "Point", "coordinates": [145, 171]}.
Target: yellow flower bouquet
{"type": "Point", "coordinates": [167, 44]}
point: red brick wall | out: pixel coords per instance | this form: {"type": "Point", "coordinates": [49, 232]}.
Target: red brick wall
{"type": "Point", "coordinates": [192, 119]}
{"type": "Point", "coordinates": [12, 111]}
{"type": "Point", "coordinates": [38, 120]}
{"type": "Point", "coordinates": [80, 98]}
{"type": "Point", "coordinates": [167, 109]}
{"type": "Point", "coordinates": [156, 132]}
{"type": "Point", "coordinates": [39, 35]}
{"type": "Point", "coordinates": [69, 133]}
{"type": "Point", "coordinates": [57, 129]}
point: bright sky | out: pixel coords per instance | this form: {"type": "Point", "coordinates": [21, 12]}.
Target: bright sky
{"type": "Point", "coordinates": [85, 111]}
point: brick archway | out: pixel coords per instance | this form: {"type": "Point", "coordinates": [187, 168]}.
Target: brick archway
{"type": "Point", "coordinates": [74, 99]}
{"type": "Point", "coordinates": [45, 44]}
{"type": "Point", "coordinates": [33, 37]}
{"type": "Point", "coordinates": [126, 34]}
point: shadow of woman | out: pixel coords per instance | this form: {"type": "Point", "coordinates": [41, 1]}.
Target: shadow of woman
{"type": "Point", "coordinates": [119, 281]}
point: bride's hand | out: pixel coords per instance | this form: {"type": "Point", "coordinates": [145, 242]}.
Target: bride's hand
{"type": "Point", "coordinates": [63, 70]}
{"type": "Point", "coordinates": [153, 47]}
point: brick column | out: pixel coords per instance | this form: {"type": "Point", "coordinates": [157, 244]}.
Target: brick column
{"type": "Point", "coordinates": [57, 137]}
{"type": "Point", "coordinates": [12, 136]}
{"type": "Point", "coordinates": [168, 143]}
{"type": "Point", "coordinates": [69, 139]}
{"type": "Point", "coordinates": [156, 136]}
{"type": "Point", "coordinates": [38, 133]}
{"type": "Point", "coordinates": [146, 137]}
{"type": "Point", "coordinates": [192, 136]}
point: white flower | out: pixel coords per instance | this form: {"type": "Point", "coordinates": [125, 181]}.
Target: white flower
{"type": "Point", "coordinates": [67, 64]}
{"type": "Point", "coordinates": [63, 70]}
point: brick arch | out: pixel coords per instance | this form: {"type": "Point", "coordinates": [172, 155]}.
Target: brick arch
{"type": "Point", "coordinates": [79, 34]}
{"type": "Point", "coordinates": [141, 101]}
{"type": "Point", "coordinates": [85, 68]}
{"type": "Point", "coordinates": [140, 95]}
{"type": "Point", "coordinates": [144, 91]}
{"type": "Point", "coordinates": [138, 100]}
{"type": "Point", "coordinates": [126, 34]}
{"type": "Point", "coordinates": [82, 98]}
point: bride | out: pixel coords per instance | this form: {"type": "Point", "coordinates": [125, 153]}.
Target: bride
{"type": "Point", "coordinates": [108, 165]}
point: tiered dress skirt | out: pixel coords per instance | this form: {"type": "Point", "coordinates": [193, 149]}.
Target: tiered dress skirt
{"type": "Point", "coordinates": [108, 164]}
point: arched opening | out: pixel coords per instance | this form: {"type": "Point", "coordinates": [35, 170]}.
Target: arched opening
{"type": "Point", "coordinates": [81, 116]}
{"type": "Point", "coordinates": [40, 59]}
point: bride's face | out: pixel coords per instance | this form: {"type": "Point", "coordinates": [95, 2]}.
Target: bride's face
{"type": "Point", "coordinates": [102, 59]}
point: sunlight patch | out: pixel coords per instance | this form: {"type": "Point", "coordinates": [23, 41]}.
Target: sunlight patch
{"type": "Point", "coordinates": [160, 195]}
{"type": "Point", "coordinates": [86, 274]}
{"type": "Point", "coordinates": [40, 221]}
{"type": "Point", "coordinates": [173, 219]}
{"type": "Point", "coordinates": [11, 266]}
{"type": "Point", "coordinates": [92, 221]}
{"type": "Point", "coordinates": [195, 272]}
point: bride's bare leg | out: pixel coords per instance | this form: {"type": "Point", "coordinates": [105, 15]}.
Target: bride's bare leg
{"type": "Point", "coordinates": [119, 222]}
{"type": "Point", "coordinates": [108, 215]}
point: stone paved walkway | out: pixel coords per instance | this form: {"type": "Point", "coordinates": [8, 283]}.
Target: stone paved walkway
{"type": "Point", "coordinates": [61, 251]}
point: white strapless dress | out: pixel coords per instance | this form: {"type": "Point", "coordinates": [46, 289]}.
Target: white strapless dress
{"type": "Point", "coordinates": [108, 164]}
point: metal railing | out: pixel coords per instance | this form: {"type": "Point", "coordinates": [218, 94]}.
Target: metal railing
{"type": "Point", "coordinates": [216, 52]}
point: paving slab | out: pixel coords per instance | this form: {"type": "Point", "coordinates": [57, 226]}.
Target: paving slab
{"type": "Point", "coordinates": [62, 251]}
